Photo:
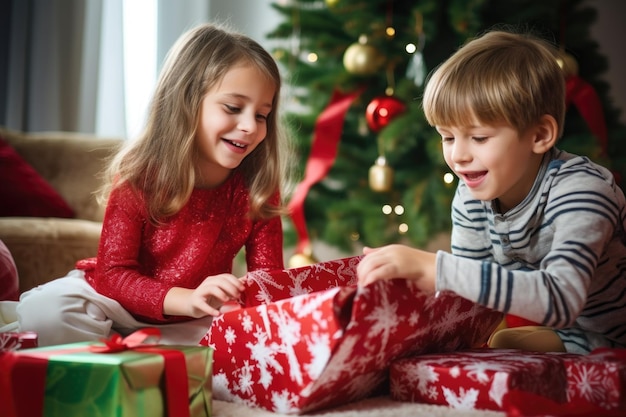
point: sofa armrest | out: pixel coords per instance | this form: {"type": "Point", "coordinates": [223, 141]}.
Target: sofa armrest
{"type": "Point", "coordinates": [71, 162]}
{"type": "Point", "coordinates": [47, 248]}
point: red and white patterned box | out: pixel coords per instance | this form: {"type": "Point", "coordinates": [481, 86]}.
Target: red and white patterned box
{"type": "Point", "coordinates": [476, 379]}
{"type": "Point", "coordinates": [310, 339]}
{"type": "Point", "coordinates": [521, 383]}
{"type": "Point", "coordinates": [597, 379]}
{"type": "Point", "coordinates": [11, 341]}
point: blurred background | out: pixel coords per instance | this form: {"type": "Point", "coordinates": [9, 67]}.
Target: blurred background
{"type": "Point", "coordinates": [90, 66]}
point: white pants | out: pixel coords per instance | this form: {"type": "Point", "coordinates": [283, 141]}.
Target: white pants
{"type": "Point", "coordinates": [68, 310]}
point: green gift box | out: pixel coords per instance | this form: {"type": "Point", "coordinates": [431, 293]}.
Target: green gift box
{"type": "Point", "coordinates": [110, 380]}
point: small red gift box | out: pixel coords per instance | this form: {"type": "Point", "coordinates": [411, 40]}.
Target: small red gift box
{"type": "Point", "coordinates": [521, 383]}
{"type": "Point", "coordinates": [310, 339]}
{"type": "Point", "coordinates": [10, 341]}
{"type": "Point", "coordinates": [476, 379]}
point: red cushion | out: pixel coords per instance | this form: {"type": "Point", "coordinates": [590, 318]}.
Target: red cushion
{"type": "Point", "coordinates": [9, 283]}
{"type": "Point", "coordinates": [23, 192]}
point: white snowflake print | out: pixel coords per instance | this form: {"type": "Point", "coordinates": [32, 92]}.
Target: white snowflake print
{"type": "Point", "coordinates": [244, 381]}
{"type": "Point", "coordinates": [7, 342]}
{"type": "Point", "coordinates": [499, 387]}
{"type": "Point", "coordinates": [318, 346]}
{"type": "Point", "coordinates": [347, 273]}
{"type": "Point", "coordinates": [385, 320]}
{"type": "Point", "coordinates": [594, 384]}
{"type": "Point", "coordinates": [298, 279]}
{"type": "Point", "coordinates": [447, 322]}
{"type": "Point", "coordinates": [264, 280]}
{"type": "Point", "coordinates": [304, 306]}
{"type": "Point", "coordinates": [289, 336]}
{"type": "Point", "coordinates": [414, 318]}
{"type": "Point", "coordinates": [230, 336]}
{"type": "Point", "coordinates": [220, 388]}
{"type": "Point", "coordinates": [421, 375]}
{"type": "Point", "coordinates": [465, 400]}
{"type": "Point", "coordinates": [247, 323]}
{"type": "Point", "coordinates": [264, 355]}
{"type": "Point", "coordinates": [479, 371]}
{"type": "Point", "coordinates": [425, 376]}
{"type": "Point", "coordinates": [284, 402]}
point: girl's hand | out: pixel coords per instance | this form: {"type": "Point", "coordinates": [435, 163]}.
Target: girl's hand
{"type": "Point", "coordinates": [206, 299]}
{"type": "Point", "coordinates": [398, 261]}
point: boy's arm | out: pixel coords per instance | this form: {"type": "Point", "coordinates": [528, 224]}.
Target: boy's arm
{"type": "Point", "coordinates": [574, 231]}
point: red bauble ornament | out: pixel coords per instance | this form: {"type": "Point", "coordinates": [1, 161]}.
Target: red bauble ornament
{"type": "Point", "coordinates": [383, 110]}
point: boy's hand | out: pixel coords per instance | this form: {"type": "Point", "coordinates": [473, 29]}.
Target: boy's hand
{"type": "Point", "coordinates": [398, 261]}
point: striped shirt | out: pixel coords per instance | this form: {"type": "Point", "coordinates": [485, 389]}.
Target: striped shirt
{"type": "Point", "coordinates": [558, 258]}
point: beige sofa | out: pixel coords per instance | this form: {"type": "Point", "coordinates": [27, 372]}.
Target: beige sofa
{"type": "Point", "coordinates": [47, 248]}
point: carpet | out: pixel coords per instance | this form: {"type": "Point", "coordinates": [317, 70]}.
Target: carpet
{"type": "Point", "coordinates": [371, 407]}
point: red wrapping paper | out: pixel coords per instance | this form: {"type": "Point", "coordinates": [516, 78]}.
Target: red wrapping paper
{"type": "Point", "coordinates": [524, 384]}
{"type": "Point", "coordinates": [478, 379]}
{"type": "Point", "coordinates": [598, 379]}
{"type": "Point", "coordinates": [310, 339]}
{"type": "Point", "coordinates": [10, 341]}
{"type": "Point", "coordinates": [326, 139]}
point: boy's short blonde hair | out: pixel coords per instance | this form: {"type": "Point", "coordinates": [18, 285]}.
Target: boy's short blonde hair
{"type": "Point", "coordinates": [500, 77]}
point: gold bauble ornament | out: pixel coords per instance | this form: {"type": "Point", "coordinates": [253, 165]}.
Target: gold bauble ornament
{"type": "Point", "coordinates": [362, 59]}
{"type": "Point", "coordinates": [331, 3]}
{"type": "Point", "coordinates": [567, 63]}
{"type": "Point", "coordinates": [381, 176]}
{"type": "Point", "coordinates": [304, 258]}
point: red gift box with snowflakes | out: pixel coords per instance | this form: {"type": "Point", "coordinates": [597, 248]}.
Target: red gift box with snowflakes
{"type": "Point", "coordinates": [308, 338]}
{"type": "Point", "coordinates": [11, 341]}
{"type": "Point", "coordinates": [518, 382]}
{"type": "Point", "coordinates": [477, 379]}
{"type": "Point", "coordinates": [597, 379]}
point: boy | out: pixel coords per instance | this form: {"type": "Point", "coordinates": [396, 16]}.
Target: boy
{"type": "Point", "coordinates": [536, 232]}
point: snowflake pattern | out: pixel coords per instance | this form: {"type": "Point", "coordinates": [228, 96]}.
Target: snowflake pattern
{"type": "Point", "coordinates": [465, 400]}
{"type": "Point", "coordinates": [316, 339]}
{"type": "Point", "coordinates": [597, 381]}
{"type": "Point", "coordinates": [11, 341]}
{"type": "Point", "coordinates": [482, 378]}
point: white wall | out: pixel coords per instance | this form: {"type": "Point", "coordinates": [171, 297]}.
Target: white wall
{"type": "Point", "coordinates": [255, 18]}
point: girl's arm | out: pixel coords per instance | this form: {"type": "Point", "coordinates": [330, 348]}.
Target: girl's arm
{"type": "Point", "coordinates": [264, 247]}
{"type": "Point", "coordinates": [117, 273]}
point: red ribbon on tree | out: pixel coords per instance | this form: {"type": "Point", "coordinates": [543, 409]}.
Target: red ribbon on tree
{"type": "Point", "coordinates": [327, 134]}
{"type": "Point", "coordinates": [580, 93]}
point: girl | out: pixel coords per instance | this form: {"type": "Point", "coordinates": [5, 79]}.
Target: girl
{"type": "Point", "coordinates": [202, 181]}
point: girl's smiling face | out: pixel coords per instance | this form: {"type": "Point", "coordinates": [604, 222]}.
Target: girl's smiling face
{"type": "Point", "coordinates": [232, 122]}
{"type": "Point", "coordinates": [495, 162]}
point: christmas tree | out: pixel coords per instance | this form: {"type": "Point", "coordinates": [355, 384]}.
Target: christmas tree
{"type": "Point", "coordinates": [371, 168]}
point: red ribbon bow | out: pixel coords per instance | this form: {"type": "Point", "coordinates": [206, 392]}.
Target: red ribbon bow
{"type": "Point", "coordinates": [131, 342]}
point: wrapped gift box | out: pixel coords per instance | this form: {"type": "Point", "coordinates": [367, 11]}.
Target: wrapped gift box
{"type": "Point", "coordinates": [17, 340]}
{"type": "Point", "coordinates": [87, 379]}
{"type": "Point", "coordinates": [476, 379]}
{"type": "Point", "coordinates": [308, 338]}
{"type": "Point", "coordinates": [597, 379]}
{"type": "Point", "coordinates": [521, 383]}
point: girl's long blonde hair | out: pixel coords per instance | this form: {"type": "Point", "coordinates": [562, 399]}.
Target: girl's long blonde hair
{"type": "Point", "coordinates": [160, 162]}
